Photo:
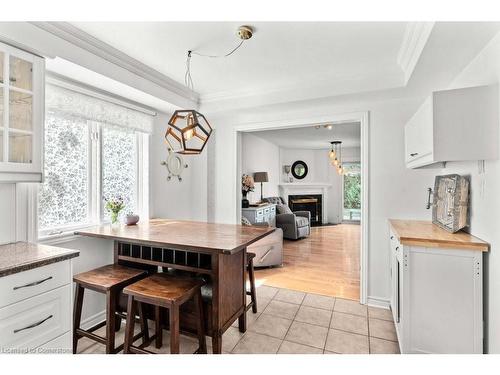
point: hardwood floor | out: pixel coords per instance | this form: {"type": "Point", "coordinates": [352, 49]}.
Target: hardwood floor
{"type": "Point", "coordinates": [325, 263]}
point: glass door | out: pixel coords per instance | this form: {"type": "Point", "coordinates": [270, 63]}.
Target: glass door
{"type": "Point", "coordinates": [20, 86]}
{"type": "Point", "coordinates": [21, 115]}
{"type": "Point", "coordinates": [352, 192]}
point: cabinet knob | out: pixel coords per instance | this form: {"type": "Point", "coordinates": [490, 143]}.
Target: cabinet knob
{"type": "Point", "coordinates": [392, 237]}
{"type": "Point", "coordinates": [414, 154]}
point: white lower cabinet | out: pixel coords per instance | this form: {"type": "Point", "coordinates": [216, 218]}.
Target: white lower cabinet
{"type": "Point", "coordinates": [36, 310]}
{"type": "Point", "coordinates": [436, 298]}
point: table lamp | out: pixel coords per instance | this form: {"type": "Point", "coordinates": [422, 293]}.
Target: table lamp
{"type": "Point", "coordinates": [260, 177]}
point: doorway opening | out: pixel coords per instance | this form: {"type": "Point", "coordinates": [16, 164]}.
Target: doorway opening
{"type": "Point", "coordinates": [331, 260]}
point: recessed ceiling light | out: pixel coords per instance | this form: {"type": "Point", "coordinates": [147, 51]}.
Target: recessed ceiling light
{"type": "Point", "coordinates": [317, 127]}
{"type": "Point", "coordinates": [329, 127]}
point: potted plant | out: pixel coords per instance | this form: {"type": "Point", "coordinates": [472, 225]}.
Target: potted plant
{"type": "Point", "coordinates": [247, 184]}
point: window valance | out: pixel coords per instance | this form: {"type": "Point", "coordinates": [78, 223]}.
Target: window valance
{"type": "Point", "coordinates": [76, 104]}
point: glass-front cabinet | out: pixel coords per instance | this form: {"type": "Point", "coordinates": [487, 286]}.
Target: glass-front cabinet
{"type": "Point", "coordinates": [21, 115]}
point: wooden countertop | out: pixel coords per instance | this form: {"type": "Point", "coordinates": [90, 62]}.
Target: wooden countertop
{"type": "Point", "coordinates": [424, 233]}
{"type": "Point", "coordinates": [183, 235]}
{"type": "Point", "coordinates": [22, 256]}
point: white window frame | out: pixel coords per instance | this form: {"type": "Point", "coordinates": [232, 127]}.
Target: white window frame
{"type": "Point", "coordinates": [343, 191]}
{"type": "Point", "coordinates": [95, 212]}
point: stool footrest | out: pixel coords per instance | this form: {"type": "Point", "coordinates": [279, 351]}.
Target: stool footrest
{"type": "Point", "coordinates": [102, 340]}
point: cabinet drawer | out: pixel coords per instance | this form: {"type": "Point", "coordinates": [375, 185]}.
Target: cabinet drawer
{"type": "Point", "coordinates": [60, 345]}
{"type": "Point", "coordinates": [259, 213]}
{"type": "Point", "coordinates": [37, 320]}
{"type": "Point", "coordinates": [22, 285]}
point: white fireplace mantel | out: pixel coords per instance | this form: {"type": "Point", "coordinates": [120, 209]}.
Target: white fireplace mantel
{"type": "Point", "coordinates": [294, 188]}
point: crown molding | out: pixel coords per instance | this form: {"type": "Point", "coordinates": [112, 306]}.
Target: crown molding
{"type": "Point", "coordinates": [312, 90]}
{"type": "Point", "coordinates": [80, 38]}
{"type": "Point", "coordinates": [414, 41]}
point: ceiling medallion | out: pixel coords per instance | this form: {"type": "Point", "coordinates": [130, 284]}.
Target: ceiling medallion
{"type": "Point", "coordinates": [335, 156]}
{"type": "Point", "coordinates": [188, 130]}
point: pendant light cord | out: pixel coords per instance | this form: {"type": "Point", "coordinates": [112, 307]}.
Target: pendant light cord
{"type": "Point", "coordinates": [188, 80]}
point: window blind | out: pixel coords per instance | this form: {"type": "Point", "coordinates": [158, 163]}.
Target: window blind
{"type": "Point", "coordinates": [73, 104]}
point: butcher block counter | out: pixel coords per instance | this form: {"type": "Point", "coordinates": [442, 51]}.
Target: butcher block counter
{"type": "Point", "coordinates": [437, 288]}
{"type": "Point", "coordinates": [426, 234]}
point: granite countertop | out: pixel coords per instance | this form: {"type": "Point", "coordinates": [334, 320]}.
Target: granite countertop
{"type": "Point", "coordinates": [427, 234]}
{"type": "Point", "coordinates": [22, 256]}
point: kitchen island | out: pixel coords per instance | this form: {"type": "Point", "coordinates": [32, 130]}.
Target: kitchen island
{"type": "Point", "coordinates": [216, 252]}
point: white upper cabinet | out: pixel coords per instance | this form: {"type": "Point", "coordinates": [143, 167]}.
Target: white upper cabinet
{"type": "Point", "coordinates": [454, 125]}
{"type": "Point", "coordinates": [21, 115]}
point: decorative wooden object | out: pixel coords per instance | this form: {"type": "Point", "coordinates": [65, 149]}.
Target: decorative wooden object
{"type": "Point", "coordinates": [450, 203]}
{"type": "Point", "coordinates": [217, 251]}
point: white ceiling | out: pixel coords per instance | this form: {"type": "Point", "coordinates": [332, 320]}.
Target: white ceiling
{"type": "Point", "coordinates": [280, 56]}
{"type": "Point", "coordinates": [312, 138]}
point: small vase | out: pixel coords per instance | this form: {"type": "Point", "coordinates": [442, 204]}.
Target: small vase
{"type": "Point", "coordinates": [114, 219]}
{"type": "Point", "coordinates": [244, 202]}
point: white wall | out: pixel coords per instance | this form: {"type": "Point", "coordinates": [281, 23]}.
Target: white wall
{"type": "Point", "coordinates": [395, 192]}
{"type": "Point", "coordinates": [260, 155]}
{"type": "Point", "coordinates": [8, 208]}
{"type": "Point", "coordinates": [316, 161]}
{"type": "Point", "coordinates": [320, 171]}
{"type": "Point", "coordinates": [485, 197]}
{"type": "Point", "coordinates": [186, 199]}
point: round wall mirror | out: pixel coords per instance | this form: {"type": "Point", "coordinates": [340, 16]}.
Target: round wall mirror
{"type": "Point", "coordinates": [299, 169]}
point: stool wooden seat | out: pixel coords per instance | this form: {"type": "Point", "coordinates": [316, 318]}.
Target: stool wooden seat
{"type": "Point", "coordinates": [110, 280]}
{"type": "Point", "coordinates": [251, 279]}
{"type": "Point", "coordinates": [163, 290]}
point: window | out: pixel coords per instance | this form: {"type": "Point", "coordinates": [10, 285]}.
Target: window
{"type": "Point", "coordinates": [63, 197]}
{"type": "Point", "coordinates": [88, 158]}
{"type": "Point", "coordinates": [352, 192]}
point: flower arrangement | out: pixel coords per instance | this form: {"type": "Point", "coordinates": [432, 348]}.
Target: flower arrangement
{"type": "Point", "coordinates": [114, 206]}
{"type": "Point", "coordinates": [247, 184]}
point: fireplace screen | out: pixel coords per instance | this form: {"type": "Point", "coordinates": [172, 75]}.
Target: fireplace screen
{"type": "Point", "coordinates": [311, 203]}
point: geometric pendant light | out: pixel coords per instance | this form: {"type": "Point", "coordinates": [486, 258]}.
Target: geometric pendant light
{"type": "Point", "coordinates": [188, 132]}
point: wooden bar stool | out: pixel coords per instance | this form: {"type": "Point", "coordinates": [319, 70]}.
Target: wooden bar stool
{"type": "Point", "coordinates": [251, 279]}
{"type": "Point", "coordinates": [162, 290]}
{"type": "Point", "coordinates": [110, 280]}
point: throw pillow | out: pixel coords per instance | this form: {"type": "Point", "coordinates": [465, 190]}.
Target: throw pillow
{"type": "Point", "coordinates": [283, 209]}
{"type": "Point", "coordinates": [245, 221]}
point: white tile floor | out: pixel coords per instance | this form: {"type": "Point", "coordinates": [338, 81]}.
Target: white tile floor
{"type": "Point", "coordinates": [296, 323]}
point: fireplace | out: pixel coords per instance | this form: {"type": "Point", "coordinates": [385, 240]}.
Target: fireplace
{"type": "Point", "coordinates": [308, 202]}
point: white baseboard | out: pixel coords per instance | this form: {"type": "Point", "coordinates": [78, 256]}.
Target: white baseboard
{"type": "Point", "coordinates": [93, 320]}
{"type": "Point", "coordinates": [379, 302]}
